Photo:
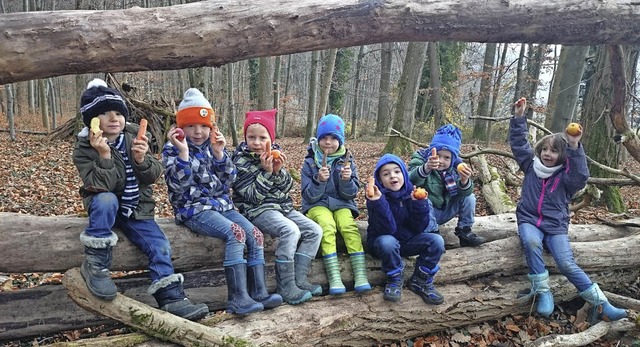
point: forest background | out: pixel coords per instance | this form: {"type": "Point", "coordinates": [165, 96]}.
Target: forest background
{"type": "Point", "coordinates": [411, 88]}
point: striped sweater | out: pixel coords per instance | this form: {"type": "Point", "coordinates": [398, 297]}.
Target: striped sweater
{"type": "Point", "coordinates": [255, 190]}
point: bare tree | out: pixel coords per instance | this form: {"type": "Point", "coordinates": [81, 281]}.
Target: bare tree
{"type": "Point", "coordinates": [382, 123]}
{"type": "Point", "coordinates": [435, 84]}
{"type": "Point", "coordinates": [484, 98]}
{"type": "Point", "coordinates": [313, 87]}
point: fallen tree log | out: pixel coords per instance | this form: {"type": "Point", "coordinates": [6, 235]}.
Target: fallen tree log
{"type": "Point", "coordinates": [47, 309]}
{"type": "Point", "coordinates": [368, 320]}
{"type": "Point", "coordinates": [583, 338]}
{"type": "Point", "coordinates": [53, 245]}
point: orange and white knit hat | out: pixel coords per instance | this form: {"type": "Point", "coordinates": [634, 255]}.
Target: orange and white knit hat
{"type": "Point", "coordinates": [195, 109]}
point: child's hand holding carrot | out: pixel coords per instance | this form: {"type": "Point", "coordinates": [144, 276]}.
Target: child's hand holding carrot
{"type": "Point", "coordinates": [371, 191]}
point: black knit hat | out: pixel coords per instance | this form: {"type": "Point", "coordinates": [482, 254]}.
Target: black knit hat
{"type": "Point", "coordinates": [98, 99]}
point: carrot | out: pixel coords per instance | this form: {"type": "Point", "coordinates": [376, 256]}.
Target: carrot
{"type": "Point", "coordinates": [267, 148]}
{"type": "Point", "coordinates": [434, 153]}
{"type": "Point", "coordinates": [370, 191]}
{"type": "Point", "coordinates": [143, 129]}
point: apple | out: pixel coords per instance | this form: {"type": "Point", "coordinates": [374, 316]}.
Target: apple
{"type": "Point", "coordinates": [179, 134]}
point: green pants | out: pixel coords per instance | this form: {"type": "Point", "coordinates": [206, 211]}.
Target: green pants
{"type": "Point", "coordinates": [337, 221]}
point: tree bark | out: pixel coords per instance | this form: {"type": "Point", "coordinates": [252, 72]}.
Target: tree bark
{"type": "Point", "coordinates": [212, 33]}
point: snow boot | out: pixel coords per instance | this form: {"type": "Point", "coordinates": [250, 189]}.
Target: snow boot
{"type": "Point", "coordinates": [238, 300]}
{"type": "Point", "coordinates": [302, 269]}
{"type": "Point", "coordinates": [258, 288]}
{"type": "Point", "coordinates": [540, 292]}
{"type": "Point", "coordinates": [285, 277]}
{"type": "Point", "coordinates": [468, 238]}
{"type": "Point", "coordinates": [332, 268]}
{"type": "Point", "coordinates": [359, 268]}
{"type": "Point", "coordinates": [96, 264]}
{"type": "Point", "coordinates": [421, 283]}
{"type": "Point", "coordinates": [601, 309]}
{"type": "Point", "coordinates": [393, 287]}
{"type": "Point", "coordinates": [169, 294]}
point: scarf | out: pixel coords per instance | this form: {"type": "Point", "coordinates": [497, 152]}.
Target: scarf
{"type": "Point", "coordinates": [543, 171]}
{"type": "Point", "coordinates": [318, 155]}
{"type": "Point", "coordinates": [449, 182]}
{"type": "Point", "coordinates": [129, 199]}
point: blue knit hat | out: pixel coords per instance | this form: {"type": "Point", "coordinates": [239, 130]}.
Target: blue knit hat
{"type": "Point", "coordinates": [447, 137]}
{"type": "Point", "coordinates": [331, 125]}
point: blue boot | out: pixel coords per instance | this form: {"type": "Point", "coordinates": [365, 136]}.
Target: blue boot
{"type": "Point", "coordinates": [601, 309]}
{"type": "Point", "coordinates": [393, 288]}
{"type": "Point", "coordinates": [169, 294]}
{"type": "Point", "coordinates": [285, 277]}
{"type": "Point", "coordinates": [421, 283]}
{"type": "Point", "coordinates": [238, 300]}
{"type": "Point", "coordinates": [257, 287]}
{"type": "Point", "coordinates": [541, 292]}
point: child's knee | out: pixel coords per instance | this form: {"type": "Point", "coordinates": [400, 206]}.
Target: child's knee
{"type": "Point", "coordinates": [238, 233]}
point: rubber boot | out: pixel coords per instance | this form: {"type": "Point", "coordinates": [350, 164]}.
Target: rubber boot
{"type": "Point", "coordinates": [332, 268]}
{"type": "Point", "coordinates": [258, 288]}
{"type": "Point", "coordinates": [285, 277]}
{"type": "Point", "coordinates": [359, 268]}
{"type": "Point", "coordinates": [170, 296]}
{"type": "Point", "coordinates": [238, 300]}
{"type": "Point", "coordinates": [393, 287]}
{"type": "Point", "coordinates": [303, 267]}
{"type": "Point", "coordinates": [421, 283]}
{"type": "Point", "coordinates": [96, 264]}
{"type": "Point", "coordinates": [468, 238]}
{"type": "Point", "coordinates": [540, 292]}
{"type": "Point", "coordinates": [601, 309]}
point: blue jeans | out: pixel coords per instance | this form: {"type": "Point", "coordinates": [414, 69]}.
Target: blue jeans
{"type": "Point", "coordinates": [462, 206]}
{"type": "Point", "coordinates": [144, 233]}
{"type": "Point", "coordinates": [531, 239]}
{"type": "Point", "coordinates": [429, 248]}
{"type": "Point", "coordinates": [236, 230]}
{"type": "Point", "coordinates": [290, 229]}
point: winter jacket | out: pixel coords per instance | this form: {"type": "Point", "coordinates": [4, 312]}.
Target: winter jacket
{"type": "Point", "coordinates": [255, 190]}
{"type": "Point", "coordinates": [202, 183]}
{"type": "Point", "coordinates": [395, 213]}
{"type": "Point", "coordinates": [433, 182]}
{"type": "Point", "coordinates": [545, 202]}
{"type": "Point", "coordinates": [108, 175]}
{"type": "Point", "coordinates": [333, 194]}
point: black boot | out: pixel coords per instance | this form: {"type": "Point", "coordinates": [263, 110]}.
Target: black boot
{"type": "Point", "coordinates": [96, 264]}
{"type": "Point", "coordinates": [303, 266]}
{"type": "Point", "coordinates": [257, 287]}
{"type": "Point", "coordinates": [287, 288]}
{"type": "Point", "coordinates": [421, 283]}
{"type": "Point", "coordinates": [468, 238]}
{"type": "Point", "coordinates": [170, 296]}
{"type": "Point", "coordinates": [238, 300]}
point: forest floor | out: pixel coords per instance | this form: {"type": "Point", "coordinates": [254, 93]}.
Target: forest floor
{"type": "Point", "coordinates": [39, 178]}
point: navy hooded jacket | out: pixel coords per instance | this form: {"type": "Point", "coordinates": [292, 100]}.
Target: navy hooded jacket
{"type": "Point", "coordinates": [395, 213]}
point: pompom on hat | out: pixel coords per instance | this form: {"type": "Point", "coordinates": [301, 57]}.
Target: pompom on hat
{"type": "Point", "coordinates": [331, 124]}
{"type": "Point", "coordinates": [195, 109]}
{"type": "Point", "coordinates": [266, 118]}
{"type": "Point", "coordinates": [99, 99]}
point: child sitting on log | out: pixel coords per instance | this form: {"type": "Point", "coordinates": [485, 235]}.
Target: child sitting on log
{"type": "Point", "coordinates": [554, 170]}
{"type": "Point", "coordinates": [199, 173]}
{"type": "Point", "coordinates": [329, 186]}
{"type": "Point", "coordinates": [262, 194]}
{"type": "Point", "coordinates": [117, 171]}
{"type": "Point", "coordinates": [439, 171]}
{"type": "Point", "coordinates": [401, 224]}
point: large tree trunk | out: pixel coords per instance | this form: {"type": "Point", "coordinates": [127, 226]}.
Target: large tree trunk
{"type": "Point", "coordinates": [47, 309]}
{"type": "Point", "coordinates": [212, 33]}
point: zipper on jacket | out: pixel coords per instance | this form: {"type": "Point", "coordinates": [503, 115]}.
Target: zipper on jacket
{"type": "Point", "coordinates": [544, 185]}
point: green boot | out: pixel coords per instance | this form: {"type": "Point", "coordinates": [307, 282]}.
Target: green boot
{"type": "Point", "coordinates": [285, 278]}
{"type": "Point", "coordinates": [359, 268]}
{"type": "Point", "coordinates": [302, 269]}
{"type": "Point", "coordinates": [332, 268]}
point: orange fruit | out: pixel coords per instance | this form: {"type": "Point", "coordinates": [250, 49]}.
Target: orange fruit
{"type": "Point", "coordinates": [461, 167]}
{"type": "Point", "coordinates": [276, 154]}
{"type": "Point", "coordinates": [574, 129]}
{"type": "Point", "coordinates": [420, 194]}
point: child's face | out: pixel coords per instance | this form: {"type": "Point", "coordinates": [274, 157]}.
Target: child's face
{"type": "Point", "coordinates": [329, 144]}
{"type": "Point", "coordinates": [197, 133]}
{"type": "Point", "coordinates": [391, 177]}
{"type": "Point", "coordinates": [549, 155]}
{"type": "Point", "coordinates": [445, 159]}
{"type": "Point", "coordinates": [111, 124]}
{"type": "Point", "coordinates": [256, 137]}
